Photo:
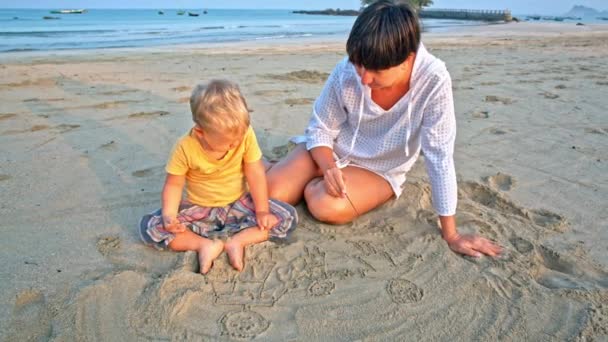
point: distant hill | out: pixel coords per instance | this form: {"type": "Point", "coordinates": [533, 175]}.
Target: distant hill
{"type": "Point", "coordinates": [582, 11]}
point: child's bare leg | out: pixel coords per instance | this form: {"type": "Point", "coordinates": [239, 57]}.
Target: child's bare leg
{"type": "Point", "coordinates": [235, 246]}
{"type": "Point", "coordinates": [208, 250]}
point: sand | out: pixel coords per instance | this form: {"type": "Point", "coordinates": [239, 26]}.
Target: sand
{"type": "Point", "coordinates": [85, 135]}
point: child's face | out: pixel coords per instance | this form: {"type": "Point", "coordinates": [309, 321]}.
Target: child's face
{"type": "Point", "coordinates": [217, 142]}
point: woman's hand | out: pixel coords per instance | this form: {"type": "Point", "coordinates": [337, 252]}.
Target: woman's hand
{"type": "Point", "coordinates": [472, 245]}
{"type": "Point", "coordinates": [334, 182]}
{"type": "Point", "coordinates": [266, 220]}
{"type": "Point", "coordinates": [172, 225]}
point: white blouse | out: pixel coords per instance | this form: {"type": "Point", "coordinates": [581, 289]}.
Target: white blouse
{"type": "Point", "coordinates": [388, 142]}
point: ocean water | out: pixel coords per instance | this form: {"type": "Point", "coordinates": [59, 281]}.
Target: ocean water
{"type": "Point", "coordinates": [26, 30]}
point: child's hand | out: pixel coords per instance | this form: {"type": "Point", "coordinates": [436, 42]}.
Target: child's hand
{"type": "Point", "coordinates": [266, 220]}
{"type": "Point", "coordinates": [172, 225]}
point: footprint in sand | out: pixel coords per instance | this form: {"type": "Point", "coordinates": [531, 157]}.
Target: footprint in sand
{"type": "Point", "coordinates": [488, 197]}
{"type": "Point", "coordinates": [36, 99]}
{"type": "Point", "coordinates": [110, 145]}
{"type": "Point", "coordinates": [601, 83]}
{"type": "Point", "coordinates": [494, 99]}
{"type": "Point", "coordinates": [500, 181]}
{"type": "Point", "coordinates": [557, 271]}
{"type": "Point", "coordinates": [594, 130]}
{"type": "Point", "coordinates": [549, 95]}
{"type": "Point", "coordinates": [497, 131]}
{"type": "Point", "coordinates": [271, 92]}
{"type": "Point", "coordinates": [182, 88]}
{"type": "Point", "coordinates": [63, 128]}
{"type": "Point", "coordinates": [243, 324]}
{"type": "Point", "coordinates": [560, 86]}
{"type": "Point", "coordinates": [489, 83]}
{"type": "Point", "coordinates": [143, 173]}
{"type": "Point", "coordinates": [5, 116]}
{"type": "Point", "coordinates": [404, 291]}
{"type": "Point", "coordinates": [480, 114]}
{"type": "Point", "coordinates": [141, 115]}
{"type": "Point", "coordinates": [31, 318]}
{"type": "Point", "coordinates": [112, 104]}
{"type": "Point", "coordinates": [184, 99]}
{"type": "Point", "coordinates": [301, 76]}
{"type": "Point", "coordinates": [4, 177]}
{"type": "Point", "coordinates": [522, 245]}
{"type": "Point", "coordinates": [300, 101]}
{"type": "Point", "coordinates": [548, 220]}
{"type": "Point", "coordinates": [108, 244]}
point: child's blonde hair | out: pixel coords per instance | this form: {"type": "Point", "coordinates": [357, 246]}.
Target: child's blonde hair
{"type": "Point", "coordinates": [219, 106]}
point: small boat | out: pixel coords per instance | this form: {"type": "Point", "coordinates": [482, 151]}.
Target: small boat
{"type": "Point", "coordinates": [181, 12]}
{"type": "Point", "coordinates": [205, 12]}
{"type": "Point", "coordinates": [48, 17]}
{"type": "Point", "coordinates": [602, 18]}
{"type": "Point", "coordinates": [161, 12]}
{"type": "Point", "coordinates": [193, 14]}
{"type": "Point", "coordinates": [69, 11]}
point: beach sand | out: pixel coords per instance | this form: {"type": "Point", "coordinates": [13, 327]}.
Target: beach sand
{"type": "Point", "coordinates": [85, 136]}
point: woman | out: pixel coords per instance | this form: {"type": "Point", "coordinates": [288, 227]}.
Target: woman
{"type": "Point", "coordinates": [381, 106]}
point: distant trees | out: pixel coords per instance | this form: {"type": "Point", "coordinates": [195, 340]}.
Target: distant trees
{"type": "Point", "coordinates": [417, 4]}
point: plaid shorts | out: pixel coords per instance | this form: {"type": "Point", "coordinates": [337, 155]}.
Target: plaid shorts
{"type": "Point", "coordinates": [217, 222]}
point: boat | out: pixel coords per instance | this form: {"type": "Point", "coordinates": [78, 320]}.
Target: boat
{"type": "Point", "coordinates": [69, 11]}
{"type": "Point", "coordinates": [161, 12]}
{"type": "Point", "coordinates": [602, 18]}
{"type": "Point", "coordinates": [192, 14]}
{"type": "Point", "coordinates": [205, 12]}
{"type": "Point", "coordinates": [181, 12]}
{"type": "Point", "coordinates": [48, 17]}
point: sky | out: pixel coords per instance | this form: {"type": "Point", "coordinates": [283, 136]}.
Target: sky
{"type": "Point", "coordinates": [555, 7]}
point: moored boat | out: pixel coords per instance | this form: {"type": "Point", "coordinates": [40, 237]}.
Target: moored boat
{"type": "Point", "coordinates": [69, 11]}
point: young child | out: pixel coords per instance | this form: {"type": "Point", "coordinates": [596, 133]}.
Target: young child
{"type": "Point", "coordinates": [216, 161]}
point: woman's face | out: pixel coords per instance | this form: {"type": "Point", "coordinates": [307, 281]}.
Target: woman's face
{"type": "Point", "coordinates": [385, 78]}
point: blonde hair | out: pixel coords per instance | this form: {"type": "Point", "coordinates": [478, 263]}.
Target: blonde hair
{"type": "Point", "coordinates": [219, 106]}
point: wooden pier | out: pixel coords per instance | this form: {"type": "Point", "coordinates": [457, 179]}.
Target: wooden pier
{"type": "Point", "coordinates": [464, 14]}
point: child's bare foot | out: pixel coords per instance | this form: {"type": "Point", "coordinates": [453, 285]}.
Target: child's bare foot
{"type": "Point", "coordinates": [235, 251]}
{"type": "Point", "coordinates": [208, 252]}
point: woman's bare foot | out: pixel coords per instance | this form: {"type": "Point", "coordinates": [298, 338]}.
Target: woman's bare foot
{"type": "Point", "coordinates": [236, 253]}
{"type": "Point", "coordinates": [208, 252]}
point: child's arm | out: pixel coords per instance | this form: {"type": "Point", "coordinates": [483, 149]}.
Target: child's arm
{"type": "Point", "coordinates": [171, 197]}
{"type": "Point", "coordinates": [255, 173]}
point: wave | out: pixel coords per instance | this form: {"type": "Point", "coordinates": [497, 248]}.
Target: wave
{"type": "Point", "coordinates": [51, 33]}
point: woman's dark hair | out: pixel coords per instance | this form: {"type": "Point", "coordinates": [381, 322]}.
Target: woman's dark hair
{"type": "Point", "coordinates": [383, 35]}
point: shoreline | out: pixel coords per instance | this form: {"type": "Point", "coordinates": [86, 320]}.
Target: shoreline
{"type": "Point", "coordinates": [511, 30]}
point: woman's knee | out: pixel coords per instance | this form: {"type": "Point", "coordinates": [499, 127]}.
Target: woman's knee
{"type": "Point", "coordinates": [324, 207]}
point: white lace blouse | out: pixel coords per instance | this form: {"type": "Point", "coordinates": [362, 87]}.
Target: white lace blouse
{"type": "Point", "coordinates": [388, 142]}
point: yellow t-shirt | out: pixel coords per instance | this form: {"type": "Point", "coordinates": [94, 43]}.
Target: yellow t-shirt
{"type": "Point", "coordinates": [211, 182]}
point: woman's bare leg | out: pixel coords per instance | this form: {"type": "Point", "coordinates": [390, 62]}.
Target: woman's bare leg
{"type": "Point", "coordinates": [288, 178]}
{"type": "Point", "coordinates": [366, 190]}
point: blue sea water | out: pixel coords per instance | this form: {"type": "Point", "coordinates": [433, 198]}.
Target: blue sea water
{"type": "Point", "coordinates": [26, 30]}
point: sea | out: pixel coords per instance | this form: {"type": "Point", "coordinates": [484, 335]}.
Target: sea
{"type": "Point", "coordinates": [28, 30]}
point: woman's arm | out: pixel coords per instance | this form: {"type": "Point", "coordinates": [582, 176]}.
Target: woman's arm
{"type": "Point", "coordinates": [171, 198]}
{"type": "Point", "coordinates": [438, 137]}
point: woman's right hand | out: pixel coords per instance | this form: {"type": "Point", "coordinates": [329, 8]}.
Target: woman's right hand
{"type": "Point", "coordinates": [334, 182]}
{"type": "Point", "coordinates": [172, 225]}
